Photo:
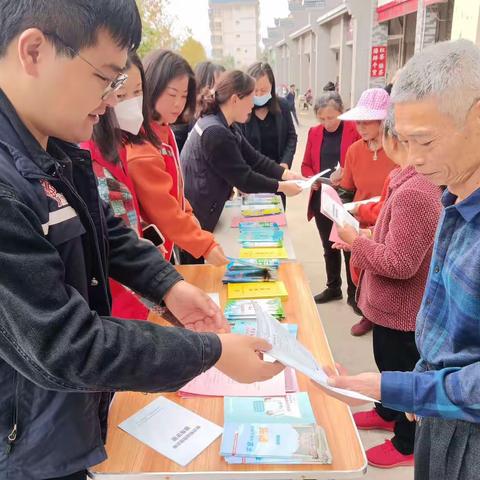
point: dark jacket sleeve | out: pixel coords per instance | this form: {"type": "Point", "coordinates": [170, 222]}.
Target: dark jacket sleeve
{"type": "Point", "coordinates": [259, 162]}
{"type": "Point", "coordinates": [291, 140]}
{"type": "Point", "coordinates": [146, 272]}
{"type": "Point", "coordinates": [49, 334]}
{"type": "Point", "coordinates": [241, 166]}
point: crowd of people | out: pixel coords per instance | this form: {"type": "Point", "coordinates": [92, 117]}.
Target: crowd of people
{"type": "Point", "coordinates": [101, 150]}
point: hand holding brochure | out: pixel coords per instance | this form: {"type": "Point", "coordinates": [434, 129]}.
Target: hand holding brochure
{"type": "Point", "coordinates": [332, 207]}
{"type": "Point", "coordinates": [308, 183]}
{"type": "Point", "coordinates": [291, 353]}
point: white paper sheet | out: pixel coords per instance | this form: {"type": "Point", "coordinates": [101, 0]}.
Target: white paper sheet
{"type": "Point", "coordinates": [307, 184]}
{"type": "Point", "coordinates": [172, 430]}
{"type": "Point", "coordinates": [291, 353]}
{"type": "Point", "coordinates": [215, 297]}
{"type": "Point", "coordinates": [351, 205]}
{"type": "Point", "coordinates": [334, 210]}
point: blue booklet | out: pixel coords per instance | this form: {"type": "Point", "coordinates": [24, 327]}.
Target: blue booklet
{"type": "Point", "coordinates": [249, 327]}
{"type": "Point", "coordinates": [273, 430]}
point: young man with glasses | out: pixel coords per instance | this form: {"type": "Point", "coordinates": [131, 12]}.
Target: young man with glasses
{"type": "Point", "coordinates": [61, 353]}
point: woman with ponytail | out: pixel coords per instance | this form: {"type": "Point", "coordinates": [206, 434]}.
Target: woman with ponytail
{"type": "Point", "coordinates": [217, 157]}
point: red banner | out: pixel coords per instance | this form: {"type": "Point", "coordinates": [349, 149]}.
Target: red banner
{"type": "Point", "coordinates": [379, 61]}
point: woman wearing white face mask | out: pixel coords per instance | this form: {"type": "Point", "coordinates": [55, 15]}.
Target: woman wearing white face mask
{"type": "Point", "coordinates": [270, 128]}
{"type": "Point", "coordinates": [109, 160]}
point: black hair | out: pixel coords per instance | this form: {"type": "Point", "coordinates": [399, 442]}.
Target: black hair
{"type": "Point", "coordinates": [161, 67]}
{"type": "Point", "coordinates": [71, 24]}
{"type": "Point", "coordinates": [233, 82]}
{"type": "Point", "coordinates": [205, 74]}
{"type": "Point", "coordinates": [107, 134]}
{"type": "Point", "coordinates": [146, 134]}
{"type": "Point", "coordinates": [329, 87]}
{"type": "Point", "coordinates": [260, 69]}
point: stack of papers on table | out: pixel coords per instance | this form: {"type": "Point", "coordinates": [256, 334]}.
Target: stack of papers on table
{"type": "Point", "coordinates": [261, 237]}
{"type": "Point", "coordinates": [261, 199]}
{"type": "Point", "coordinates": [264, 252]}
{"type": "Point", "coordinates": [251, 270]}
{"type": "Point", "coordinates": [260, 210]}
{"type": "Point", "coordinates": [279, 220]}
{"type": "Point", "coordinates": [279, 430]}
{"type": "Point", "coordinates": [249, 226]}
{"type": "Point", "coordinates": [241, 291]}
{"type": "Point", "coordinates": [291, 353]}
{"type": "Point", "coordinates": [214, 383]}
{"type": "Point", "coordinates": [172, 430]}
{"type": "Point", "coordinates": [243, 310]}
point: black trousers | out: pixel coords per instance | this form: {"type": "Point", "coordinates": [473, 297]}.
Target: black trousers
{"type": "Point", "coordinates": [333, 258]}
{"type": "Point", "coordinates": [395, 350]}
{"type": "Point", "coordinates": [75, 476]}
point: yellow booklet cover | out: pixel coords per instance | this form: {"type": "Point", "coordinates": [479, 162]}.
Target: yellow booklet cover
{"type": "Point", "coordinates": [257, 290]}
{"type": "Point", "coordinates": [264, 252]}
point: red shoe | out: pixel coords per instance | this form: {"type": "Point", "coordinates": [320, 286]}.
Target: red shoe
{"type": "Point", "coordinates": [361, 328]}
{"type": "Point", "coordinates": [371, 420]}
{"type": "Point", "coordinates": [387, 456]}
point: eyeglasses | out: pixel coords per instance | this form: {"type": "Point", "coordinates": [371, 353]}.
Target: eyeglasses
{"type": "Point", "coordinates": [114, 84]}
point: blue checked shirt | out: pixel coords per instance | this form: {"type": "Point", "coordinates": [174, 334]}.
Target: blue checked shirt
{"type": "Point", "coordinates": [446, 380]}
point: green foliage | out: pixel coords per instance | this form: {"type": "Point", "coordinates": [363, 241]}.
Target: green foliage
{"type": "Point", "coordinates": [157, 26]}
{"type": "Point", "coordinates": [193, 51]}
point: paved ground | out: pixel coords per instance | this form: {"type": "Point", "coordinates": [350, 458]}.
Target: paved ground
{"type": "Point", "coordinates": [354, 353]}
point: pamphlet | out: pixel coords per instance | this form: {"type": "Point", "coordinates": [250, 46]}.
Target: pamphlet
{"type": "Point", "coordinates": [279, 219]}
{"type": "Point", "coordinates": [214, 383]}
{"type": "Point", "coordinates": [290, 352]}
{"type": "Point", "coordinates": [257, 290]}
{"type": "Point", "coordinates": [172, 430]}
{"type": "Point", "coordinates": [308, 183]}
{"type": "Point", "coordinates": [351, 205]}
{"type": "Point", "coordinates": [332, 207]}
{"type": "Point", "coordinates": [264, 252]}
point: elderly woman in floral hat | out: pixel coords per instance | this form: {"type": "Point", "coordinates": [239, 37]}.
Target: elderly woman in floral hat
{"type": "Point", "coordinates": [366, 164]}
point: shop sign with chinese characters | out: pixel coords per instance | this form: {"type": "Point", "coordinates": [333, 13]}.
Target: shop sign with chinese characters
{"type": "Point", "coordinates": [379, 61]}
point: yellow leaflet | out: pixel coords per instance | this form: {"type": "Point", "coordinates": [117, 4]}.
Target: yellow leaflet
{"type": "Point", "coordinates": [257, 290]}
{"type": "Point", "coordinates": [263, 252]}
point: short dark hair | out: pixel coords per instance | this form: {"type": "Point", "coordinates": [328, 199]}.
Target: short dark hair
{"type": "Point", "coordinates": [75, 22]}
{"type": "Point", "coordinates": [259, 70]}
{"type": "Point", "coordinates": [161, 67]}
{"type": "Point", "coordinates": [233, 82]}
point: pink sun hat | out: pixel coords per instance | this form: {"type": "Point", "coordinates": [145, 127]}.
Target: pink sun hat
{"type": "Point", "coordinates": [373, 105]}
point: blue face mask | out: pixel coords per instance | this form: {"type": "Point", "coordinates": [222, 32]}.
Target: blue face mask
{"type": "Point", "coordinates": [261, 101]}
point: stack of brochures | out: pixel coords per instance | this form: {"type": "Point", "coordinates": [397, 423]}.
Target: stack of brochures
{"type": "Point", "coordinates": [243, 310]}
{"type": "Point", "coordinates": [255, 290]}
{"type": "Point", "coordinates": [251, 270]}
{"type": "Point", "coordinates": [248, 226]}
{"type": "Point", "coordinates": [260, 210]}
{"type": "Point", "coordinates": [261, 237]}
{"type": "Point", "coordinates": [261, 199]}
{"type": "Point", "coordinates": [273, 430]}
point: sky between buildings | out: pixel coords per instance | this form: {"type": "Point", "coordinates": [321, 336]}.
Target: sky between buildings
{"type": "Point", "coordinates": [193, 14]}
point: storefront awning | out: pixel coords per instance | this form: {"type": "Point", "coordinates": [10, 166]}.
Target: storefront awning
{"type": "Point", "coordinates": [398, 8]}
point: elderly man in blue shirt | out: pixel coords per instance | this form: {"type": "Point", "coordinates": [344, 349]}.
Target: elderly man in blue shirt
{"type": "Point", "coordinates": [437, 111]}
